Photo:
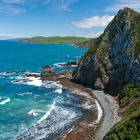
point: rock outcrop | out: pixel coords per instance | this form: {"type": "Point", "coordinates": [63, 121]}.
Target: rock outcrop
{"type": "Point", "coordinates": [113, 58]}
{"type": "Point", "coordinates": [48, 74]}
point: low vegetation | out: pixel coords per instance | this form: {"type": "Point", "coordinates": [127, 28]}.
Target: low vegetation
{"type": "Point", "coordinates": [128, 93]}
{"type": "Point", "coordinates": [129, 127]}
{"type": "Point", "coordinates": [55, 40]}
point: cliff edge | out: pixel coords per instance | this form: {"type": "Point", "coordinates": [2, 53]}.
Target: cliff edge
{"type": "Point", "coordinates": [113, 58]}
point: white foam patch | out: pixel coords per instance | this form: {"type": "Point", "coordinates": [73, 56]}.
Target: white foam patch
{"type": "Point", "coordinates": [87, 105]}
{"type": "Point", "coordinates": [52, 84]}
{"type": "Point", "coordinates": [48, 113]}
{"type": "Point", "coordinates": [5, 101]}
{"type": "Point", "coordinates": [59, 64]}
{"type": "Point", "coordinates": [28, 81]}
{"type": "Point", "coordinates": [5, 73]}
{"type": "Point", "coordinates": [35, 112]}
{"type": "Point", "coordinates": [74, 66]}
{"type": "Point", "coordinates": [34, 81]}
{"type": "Point", "coordinates": [59, 90]}
{"type": "Point", "coordinates": [26, 93]}
{"type": "Point", "coordinates": [99, 112]}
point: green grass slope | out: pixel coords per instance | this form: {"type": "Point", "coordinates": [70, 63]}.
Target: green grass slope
{"type": "Point", "coordinates": [55, 40]}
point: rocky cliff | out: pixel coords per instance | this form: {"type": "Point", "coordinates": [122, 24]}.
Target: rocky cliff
{"type": "Point", "coordinates": [113, 59]}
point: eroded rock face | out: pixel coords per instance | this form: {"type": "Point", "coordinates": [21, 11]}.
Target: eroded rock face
{"type": "Point", "coordinates": [114, 57]}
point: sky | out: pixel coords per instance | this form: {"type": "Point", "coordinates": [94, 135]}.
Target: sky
{"type": "Point", "coordinates": [87, 18]}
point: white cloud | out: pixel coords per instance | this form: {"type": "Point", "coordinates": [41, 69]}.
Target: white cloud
{"type": "Point", "coordinates": [19, 6]}
{"type": "Point", "coordinates": [95, 21]}
{"type": "Point", "coordinates": [12, 6]}
{"type": "Point", "coordinates": [87, 35]}
{"type": "Point", "coordinates": [13, 1]}
{"type": "Point", "coordinates": [61, 5]}
{"type": "Point", "coordinates": [134, 4]}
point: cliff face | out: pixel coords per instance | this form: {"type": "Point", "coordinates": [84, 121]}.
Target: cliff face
{"type": "Point", "coordinates": [113, 59]}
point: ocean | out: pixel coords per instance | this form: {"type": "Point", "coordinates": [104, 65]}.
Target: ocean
{"type": "Point", "coordinates": [27, 103]}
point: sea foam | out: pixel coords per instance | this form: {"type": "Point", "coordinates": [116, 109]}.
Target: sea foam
{"type": "Point", "coordinates": [28, 81]}
{"type": "Point", "coordinates": [100, 112]}
{"type": "Point", "coordinates": [59, 64]}
{"type": "Point", "coordinates": [34, 81]}
{"type": "Point", "coordinates": [5, 101]}
{"type": "Point", "coordinates": [25, 93]}
{"type": "Point", "coordinates": [52, 84]}
{"type": "Point", "coordinates": [48, 113]}
{"type": "Point", "coordinates": [59, 90]}
{"type": "Point", "coordinates": [35, 112]}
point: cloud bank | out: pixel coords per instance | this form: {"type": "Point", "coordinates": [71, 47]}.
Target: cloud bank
{"type": "Point", "coordinates": [95, 21]}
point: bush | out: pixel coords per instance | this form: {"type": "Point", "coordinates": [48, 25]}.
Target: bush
{"type": "Point", "coordinates": [127, 94]}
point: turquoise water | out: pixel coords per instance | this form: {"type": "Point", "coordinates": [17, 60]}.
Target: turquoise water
{"type": "Point", "coordinates": [26, 101]}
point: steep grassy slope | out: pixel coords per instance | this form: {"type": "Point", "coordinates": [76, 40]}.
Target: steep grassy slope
{"type": "Point", "coordinates": [55, 40]}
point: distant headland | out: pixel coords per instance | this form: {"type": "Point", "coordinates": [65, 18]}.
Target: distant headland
{"type": "Point", "coordinates": [54, 40]}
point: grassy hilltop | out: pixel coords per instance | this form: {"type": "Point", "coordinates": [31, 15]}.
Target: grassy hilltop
{"type": "Point", "coordinates": [55, 40]}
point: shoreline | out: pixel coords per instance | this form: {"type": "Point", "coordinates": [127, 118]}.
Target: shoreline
{"type": "Point", "coordinates": [83, 123]}
{"type": "Point", "coordinates": [73, 44]}
{"type": "Point", "coordinates": [85, 128]}
{"type": "Point", "coordinates": [96, 128]}
{"type": "Point", "coordinates": [101, 113]}
{"type": "Point", "coordinates": [110, 109]}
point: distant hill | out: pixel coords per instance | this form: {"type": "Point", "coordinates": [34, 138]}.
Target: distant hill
{"type": "Point", "coordinates": [55, 40]}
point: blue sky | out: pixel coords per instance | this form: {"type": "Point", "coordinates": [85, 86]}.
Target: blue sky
{"type": "Point", "coordinates": [26, 18]}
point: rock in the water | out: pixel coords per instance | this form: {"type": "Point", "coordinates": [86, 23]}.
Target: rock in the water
{"type": "Point", "coordinates": [69, 64]}
{"type": "Point", "coordinates": [47, 73]}
{"type": "Point", "coordinates": [31, 75]}
{"type": "Point", "coordinates": [15, 71]}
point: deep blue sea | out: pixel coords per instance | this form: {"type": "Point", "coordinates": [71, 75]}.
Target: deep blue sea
{"type": "Point", "coordinates": [26, 101]}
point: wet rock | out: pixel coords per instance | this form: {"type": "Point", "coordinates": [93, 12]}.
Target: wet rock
{"type": "Point", "coordinates": [65, 73]}
{"type": "Point", "coordinates": [48, 74]}
{"type": "Point", "coordinates": [74, 63]}
{"type": "Point", "coordinates": [15, 71]}
{"type": "Point", "coordinates": [31, 75]}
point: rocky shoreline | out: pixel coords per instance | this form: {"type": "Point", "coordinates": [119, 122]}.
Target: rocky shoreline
{"type": "Point", "coordinates": [102, 108]}
{"type": "Point", "coordinates": [87, 128]}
